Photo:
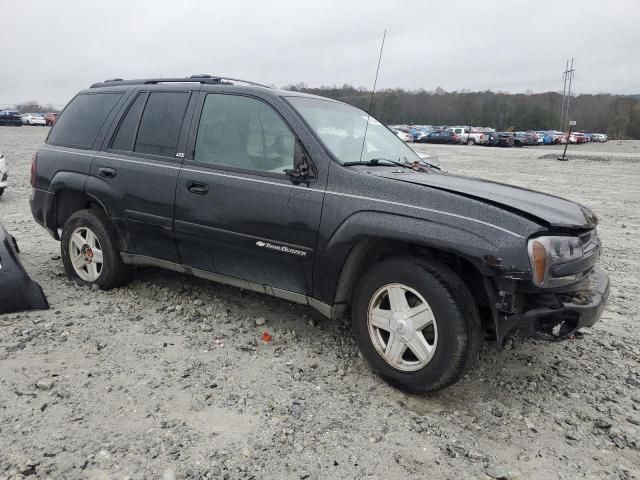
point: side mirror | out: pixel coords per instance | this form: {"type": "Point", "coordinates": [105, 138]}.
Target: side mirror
{"type": "Point", "coordinates": [302, 171]}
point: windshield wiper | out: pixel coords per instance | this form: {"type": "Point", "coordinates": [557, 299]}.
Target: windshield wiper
{"type": "Point", "coordinates": [430, 165]}
{"type": "Point", "coordinates": [376, 161]}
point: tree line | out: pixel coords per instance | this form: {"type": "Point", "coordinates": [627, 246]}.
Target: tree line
{"type": "Point", "coordinates": [616, 115]}
{"type": "Point", "coordinates": [33, 106]}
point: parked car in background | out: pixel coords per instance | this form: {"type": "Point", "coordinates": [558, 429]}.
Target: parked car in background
{"type": "Point", "coordinates": [404, 136]}
{"type": "Point", "coordinates": [459, 131]}
{"type": "Point", "coordinates": [424, 132]}
{"type": "Point", "coordinates": [441, 136]}
{"type": "Point", "coordinates": [558, 137]}
{"type": "Point", "coordinates": [525, 138]}
{"type": "Point", "coordinates": [470, 137]}
{"type": "Point", "coordinates": [580, 137]}
{"type": "Point", "coordinates": [51, 118]}
{"type": "Point", "coordinates": [33, 119]}
{"type": "Point", "coordinates": [501, 139]}
{"type": "Point", "coordinates": [599, 137]}
{"type": "Point", "coordinates": [10, 118]}
{"type": "Point", "coordinates": [549, 138]}
{"type": "Point", "coordinates": [3, 173]}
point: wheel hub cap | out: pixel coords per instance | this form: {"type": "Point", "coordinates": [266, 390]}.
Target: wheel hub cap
{"type": "Point", "coordinates": [402, 327]}
{"type": "Point", "coordinates": [87, 253]}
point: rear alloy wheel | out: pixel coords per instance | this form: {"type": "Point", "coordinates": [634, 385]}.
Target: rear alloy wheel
{"type": "Point", "coordinates": [416, 323]}
{"type": "Point", "coordinates": [89, 250]}
{"type": "Point", "coordinates": [85, 254]}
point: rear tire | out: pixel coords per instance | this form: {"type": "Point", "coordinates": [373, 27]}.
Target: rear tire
{"type": "Point", "coordinates": [435, 338]}
{"type": "Point", "coordinates": [89, 251]}
{"type": "Point", "coordinates": [2, 191]}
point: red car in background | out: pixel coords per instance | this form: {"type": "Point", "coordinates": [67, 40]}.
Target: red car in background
{"type": "Point", "coordinates": [580, 137]}
{"type": "Point", "coordinates": [51, 118]}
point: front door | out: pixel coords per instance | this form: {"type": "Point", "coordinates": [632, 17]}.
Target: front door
{"type": "Point", "coordinates": [237, 212]}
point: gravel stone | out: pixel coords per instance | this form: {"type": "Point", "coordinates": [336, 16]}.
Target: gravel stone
{"type": "Point", "coordinates": [45, 384]}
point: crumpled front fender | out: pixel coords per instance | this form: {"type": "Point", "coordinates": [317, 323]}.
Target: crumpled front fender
{"type": "Point", "coordinates": [17, 291]}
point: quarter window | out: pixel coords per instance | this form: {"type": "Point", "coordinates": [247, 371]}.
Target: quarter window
{"type": "Point", "coordinates": [161, 122]}
{"type": "Point", "coordinates": [244, 133]}
{"type": "Point", "coordinates": [79, 123]}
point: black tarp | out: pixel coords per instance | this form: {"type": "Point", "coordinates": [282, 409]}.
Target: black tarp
{"type": "Point", "coordinates": [17, 291]}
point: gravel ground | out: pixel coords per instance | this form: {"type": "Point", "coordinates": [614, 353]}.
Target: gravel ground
{"type": "Point", "coordinates": [169, 378]}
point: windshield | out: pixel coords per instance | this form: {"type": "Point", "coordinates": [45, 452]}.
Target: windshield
{"type": "Point", "coordinates": [342, 128]}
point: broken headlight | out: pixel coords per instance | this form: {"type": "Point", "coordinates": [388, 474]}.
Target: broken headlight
{"type": "Point", "coordinates": [544, 252]}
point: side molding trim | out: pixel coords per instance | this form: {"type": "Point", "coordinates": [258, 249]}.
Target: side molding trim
{"type": "Point", "coordinates": [142, 260]}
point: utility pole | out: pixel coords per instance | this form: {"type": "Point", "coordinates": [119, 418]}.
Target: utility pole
{"type": "Point", "coordinates": [564, 94]}
{"type": "Point", "coordinates": [564, 158]}
{"type": "Point", "coordinates": [571, 73]}
{"type": "Point", "coordinates": [568, 73]}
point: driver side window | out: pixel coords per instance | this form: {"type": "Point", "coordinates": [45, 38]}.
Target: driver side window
{"type": "Point", "coordinates": [244, 133]}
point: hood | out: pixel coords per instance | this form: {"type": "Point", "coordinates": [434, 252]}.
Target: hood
{"type": "Point", "coordinates": [547, 209]}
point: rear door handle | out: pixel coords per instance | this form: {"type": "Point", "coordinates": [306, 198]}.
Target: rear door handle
{"type": "Point", "coordinates": [107, 172]}
{"type": "Point", "coordinates": [197, 188]}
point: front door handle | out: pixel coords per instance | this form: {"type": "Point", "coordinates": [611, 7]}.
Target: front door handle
{"type": "Point", "coordinates": [197, 188]}
{"type": "Point", "coordinates": [107, 172]}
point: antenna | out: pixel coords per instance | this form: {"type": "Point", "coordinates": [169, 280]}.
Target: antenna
{"type": "Point", "coordinates": [375, 83]}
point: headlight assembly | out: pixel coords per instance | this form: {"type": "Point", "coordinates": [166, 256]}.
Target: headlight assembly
{"type": "Point", "coordinates": [544, 252]}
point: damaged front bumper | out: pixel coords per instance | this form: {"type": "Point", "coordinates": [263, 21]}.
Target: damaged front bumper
{"type": "Point", "coordinates": [17, 291]}
{"type": "Point", "coordinates": [557, 315]}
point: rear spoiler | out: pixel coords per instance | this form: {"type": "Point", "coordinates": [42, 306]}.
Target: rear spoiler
{"type": "Point", "coordinates": [17, 291]}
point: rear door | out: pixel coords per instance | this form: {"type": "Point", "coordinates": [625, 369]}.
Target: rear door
{"type": "Point", "coordinates": [136, 173]}
{"type": "Point", "coordinates": [237, 213]}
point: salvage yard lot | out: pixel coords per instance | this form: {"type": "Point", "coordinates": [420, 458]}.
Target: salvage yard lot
{"type": "Point", "coordinates": [169, 376]}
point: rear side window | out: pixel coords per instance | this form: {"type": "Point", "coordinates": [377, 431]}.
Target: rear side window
{"type": "Point", "coordinates": [160, 125]}
{"type": "Point", "coordinates": [123, 139]}
{"type": "Point", "coordinates": [81, 120]}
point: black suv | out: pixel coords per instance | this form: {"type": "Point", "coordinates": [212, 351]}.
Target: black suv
{"type": "Point", "coordinates": [316, 202]}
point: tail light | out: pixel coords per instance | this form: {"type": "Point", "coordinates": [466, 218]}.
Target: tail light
{"type": "Point", "coordinates": [34, 169]}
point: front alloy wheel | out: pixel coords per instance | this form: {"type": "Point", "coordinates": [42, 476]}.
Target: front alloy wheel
{"type": "Point", "coordinates": [416, 323]}
{"type": "Point", "coordinates": [402, 327]}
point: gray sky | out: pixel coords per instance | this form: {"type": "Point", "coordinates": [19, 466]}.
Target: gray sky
{"type": "Point", "coordinates": [51, 49]}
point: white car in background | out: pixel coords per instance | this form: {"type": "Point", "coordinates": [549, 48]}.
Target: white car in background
{"type": "Point", "coordinates": [404, 136]}
{"type": "Point", "coordinates": [33, 119]}
{"type": "Point", "coordinates": [3, 174]}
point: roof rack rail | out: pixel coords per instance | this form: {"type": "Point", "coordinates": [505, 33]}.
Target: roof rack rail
{"type": "Point", "coordinates": [199, 78]}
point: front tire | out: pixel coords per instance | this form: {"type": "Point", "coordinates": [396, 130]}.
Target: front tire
{"type": "Point", "coordinates": [416, 323]}
{"type": "Point", "coordinates": [89, 252]}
